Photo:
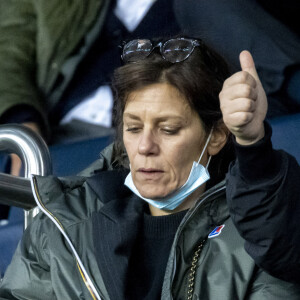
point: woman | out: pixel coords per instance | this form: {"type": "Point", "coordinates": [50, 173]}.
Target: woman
{"type": "Point", "coordinates": [166, 233]}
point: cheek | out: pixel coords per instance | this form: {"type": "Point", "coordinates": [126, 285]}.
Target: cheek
{"type": "Point", "coordinates": [182, 160]}
{"type": "Point", "coordinates": [130, 146]}
{"type": "Point", "coordinates": [180, 164]}
{"type": "Point", "coordinates": [183, 170]}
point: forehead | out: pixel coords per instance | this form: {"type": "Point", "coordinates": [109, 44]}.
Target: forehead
{"type": "Point", "coordinates": [160, 99]}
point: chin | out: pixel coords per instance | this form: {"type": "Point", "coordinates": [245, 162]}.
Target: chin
{"type": "Point", "coordinates": [152, 195]}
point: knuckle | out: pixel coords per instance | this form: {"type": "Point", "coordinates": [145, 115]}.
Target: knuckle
{"type": "Point", "coordinates": [223, 109]}
{"type": "Point", "coordinates": [244, 117]}
{"type": "Point", "coordinates": [248, 105]}
{"type": "Point", "coordinates": [246, 90]}
{"type": "Point", "coordinates": [226, 81]}
{"type": "Point", "coordinates": [227, 121]}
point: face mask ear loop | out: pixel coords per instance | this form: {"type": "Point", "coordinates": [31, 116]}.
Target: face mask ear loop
{"type": "Point", "coordinates": [205, 146]}
{"type": "Point", "coordinates": [208, 161]}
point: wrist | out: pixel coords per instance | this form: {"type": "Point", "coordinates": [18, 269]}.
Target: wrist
{"type": "Point", "coordinates": [258, 161]}
{"type": "Point", "coordinates": [33, 126]}
{"type": "Point", "coordinates": [248, 142]}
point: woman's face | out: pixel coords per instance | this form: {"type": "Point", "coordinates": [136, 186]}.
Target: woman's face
{"type": "Point", "coordinates": [162, 137]}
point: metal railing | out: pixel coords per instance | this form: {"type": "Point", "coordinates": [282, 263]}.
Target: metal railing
{"type": "Point", "coordinates": [35, 157]}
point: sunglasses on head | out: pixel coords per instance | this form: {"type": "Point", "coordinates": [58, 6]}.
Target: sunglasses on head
{"type": "Point", "coordinates": [172, 50]}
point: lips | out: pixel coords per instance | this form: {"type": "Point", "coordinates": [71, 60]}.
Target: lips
{"type": "Point", "coordinates": [150, 173]}
{"type": "Point", "coordinates": [149, 170]}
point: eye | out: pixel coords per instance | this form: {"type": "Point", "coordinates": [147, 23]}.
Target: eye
{"type": "Point", "coordinates": [134, 129]}
{"type": "Point", "coordinates": [170, 131]}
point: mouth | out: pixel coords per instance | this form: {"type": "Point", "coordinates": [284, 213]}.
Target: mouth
{"type": "Point", "coordinates": [150, 173]}
{"type": "Point", "coordinates": [149, 170]}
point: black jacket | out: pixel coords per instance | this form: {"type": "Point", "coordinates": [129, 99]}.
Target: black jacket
{"type": "Point", "coordinates": [57, 259]}
{"type": "Point", "coordinates": [264, 199]}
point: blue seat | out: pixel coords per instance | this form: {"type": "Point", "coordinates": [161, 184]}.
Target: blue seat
{"type": "Point", "coordinates": [70, 159]}
{"type": "Point", "coordinates": [286, 134]}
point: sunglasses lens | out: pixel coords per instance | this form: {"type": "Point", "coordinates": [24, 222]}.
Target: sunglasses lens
{"type": "Point", "coordinates": [177, 50]}
{"type": "Point", "coordinates": [136, 50]}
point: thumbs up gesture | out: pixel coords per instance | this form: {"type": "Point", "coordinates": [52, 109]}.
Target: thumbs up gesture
{"type": "Point", "coordinates": [244, 103]}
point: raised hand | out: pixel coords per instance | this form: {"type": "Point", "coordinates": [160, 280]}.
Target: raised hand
{"type": "Point", "coordinates": [244, 103]}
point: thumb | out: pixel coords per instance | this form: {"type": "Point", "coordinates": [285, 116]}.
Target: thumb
{"type": "Point", "coordinates": [247, 63]}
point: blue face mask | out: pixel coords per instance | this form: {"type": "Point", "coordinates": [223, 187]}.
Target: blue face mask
{"type": "Point", "coordinates": [198, 176]}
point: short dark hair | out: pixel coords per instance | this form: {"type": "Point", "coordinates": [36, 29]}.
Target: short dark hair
{"type": "Point", "coordinates": [199, 78]}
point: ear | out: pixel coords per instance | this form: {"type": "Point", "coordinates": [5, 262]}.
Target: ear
{"type": "Point", "coordinates": [218, 139]}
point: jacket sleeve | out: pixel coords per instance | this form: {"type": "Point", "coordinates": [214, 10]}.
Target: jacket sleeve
{"type": "Point", "coordinates": [28, 275]}
{"type": "Point", "coordinates": [18, 56]}
{"type": "Point", "coordinates": [266, 287]}
{"type": "Point", "coordinates": [263, 194]}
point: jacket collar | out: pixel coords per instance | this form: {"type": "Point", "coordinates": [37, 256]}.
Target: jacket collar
{"type": "Point", "coordinates": [115, 228]}
{"type": "Point", "coordinates": [109, 185]}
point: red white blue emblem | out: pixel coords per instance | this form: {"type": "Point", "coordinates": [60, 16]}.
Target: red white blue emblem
{"type": "Point", "coordinates": [216, 231]}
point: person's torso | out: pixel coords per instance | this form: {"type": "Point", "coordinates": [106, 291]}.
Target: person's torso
{"type": "Point", "coordinates": [220, 270]}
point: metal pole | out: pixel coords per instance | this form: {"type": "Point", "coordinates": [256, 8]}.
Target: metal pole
{"type": "Point", "coordinates": [16, 191]}
{"type": "Point", "coordinates": [31, 149]}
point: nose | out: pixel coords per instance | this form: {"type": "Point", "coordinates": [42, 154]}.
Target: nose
{"type": "Point", "coordinates": [148, 144]}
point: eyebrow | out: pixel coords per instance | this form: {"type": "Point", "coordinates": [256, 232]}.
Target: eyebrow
{"type": "Point", "coordinates": [131, 116]}
{"type": "Point", "coordinates": [158, 119]}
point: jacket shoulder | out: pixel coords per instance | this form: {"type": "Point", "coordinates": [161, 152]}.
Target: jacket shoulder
{"type": "Point", "coordinates": [76, 198]}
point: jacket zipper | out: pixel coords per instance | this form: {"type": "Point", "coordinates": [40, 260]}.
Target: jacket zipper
{"type": "Point", "coordinates": [183, 224]}
{"type": "Point", "coordinates": [84, 275]}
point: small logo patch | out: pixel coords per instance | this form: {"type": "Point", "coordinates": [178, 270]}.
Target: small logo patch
{"type": "Point", "coordinates": [216, 231]}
